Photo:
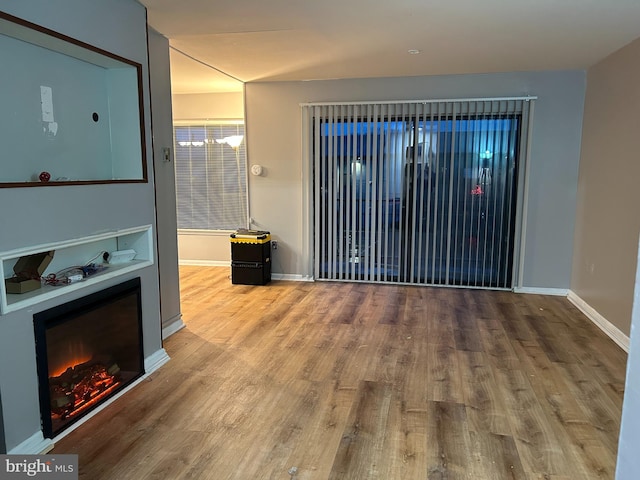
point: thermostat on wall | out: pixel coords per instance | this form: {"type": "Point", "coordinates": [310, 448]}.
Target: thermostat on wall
{"type": "Point", "coordinates": [121, 256]}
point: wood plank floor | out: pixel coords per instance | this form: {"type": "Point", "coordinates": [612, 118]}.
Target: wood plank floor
{"type": "Point", "coordinates": [316, 381]}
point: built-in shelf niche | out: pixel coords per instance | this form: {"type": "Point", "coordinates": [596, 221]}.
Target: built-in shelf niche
{"type": "Point", "coordinates": [69, 109]}
{"type": "Point", "coordinates": [77, 252]}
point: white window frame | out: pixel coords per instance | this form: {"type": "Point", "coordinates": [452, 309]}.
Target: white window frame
{"type": "Point", "coordinates": [196, 123]}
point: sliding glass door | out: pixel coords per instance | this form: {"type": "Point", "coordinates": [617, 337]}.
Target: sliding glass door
{"type": "Point", "coordinates": [420, 193]}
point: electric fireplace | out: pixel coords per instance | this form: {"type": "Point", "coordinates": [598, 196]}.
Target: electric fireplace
{"type": "Point", "coordinates": [86, 351]}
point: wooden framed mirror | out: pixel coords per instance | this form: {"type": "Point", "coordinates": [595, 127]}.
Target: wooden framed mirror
{"type": "Point", "coordinates": [72, 112]}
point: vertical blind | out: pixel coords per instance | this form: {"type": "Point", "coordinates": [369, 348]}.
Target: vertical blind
{"type": "Point", "coordinates": [211, 176]}
{"type": "Point", "coordinates": [417, 192]}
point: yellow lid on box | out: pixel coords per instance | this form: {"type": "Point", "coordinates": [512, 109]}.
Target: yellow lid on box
{"type": "Point", "coordinates": [250, 236]}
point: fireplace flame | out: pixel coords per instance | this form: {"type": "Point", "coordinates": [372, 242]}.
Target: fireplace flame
{"type": "Point", "coordinates": [73, 352]}
{"type": "Point", "coordinates": [78, 359]}
{"type": "Point", "coordinates": [80, 386]}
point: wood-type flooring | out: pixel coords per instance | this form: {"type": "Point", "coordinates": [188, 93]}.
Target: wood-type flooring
{"type": "Point", "coordinates": [327, 381]}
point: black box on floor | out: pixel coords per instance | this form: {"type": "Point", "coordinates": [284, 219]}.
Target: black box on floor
{"type": "Point", "coordinates": [251, 252]}
{"type": "Point", "coordinates": [250, 257]}
{"type": "Point", "coordinates": [250, 273]}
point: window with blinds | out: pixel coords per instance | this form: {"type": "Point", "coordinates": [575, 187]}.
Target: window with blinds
{"type": "Point", "coordinates": [416, 192]}
{"type": "Point", "coordinates": [211, 176]}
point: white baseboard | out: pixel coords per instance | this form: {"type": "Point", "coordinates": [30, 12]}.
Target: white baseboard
{"type": "Point", "coordinates": [291, 277]}
{"type": "Point", "coordinates": [154, 361]}
{"type": "Point", "coordinates": [274, 276]}
{"type": "Point", "coordinates": [174, 325]}
{"type": "Point", "coordinates": [558, 292]}
{"type": "Point", "coordinates": [602, 323]}
{"type": "Point", "coordinates": [204, 263]}
{"type": "Point", "coordinates": [36, 444]}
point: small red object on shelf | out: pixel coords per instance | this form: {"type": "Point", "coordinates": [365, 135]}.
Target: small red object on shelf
{"type": "Point", "coordinates": [45, 176]}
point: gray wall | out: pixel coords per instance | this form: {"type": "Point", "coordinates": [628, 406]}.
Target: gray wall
{"type": "Point", "coordinates": [165, 181]}
{"type": "Point", "coordinates": [607, 224]}
{"type": "Point", "coordinates": [206, 106]}
{"type": "Point", "coordinates": [32, 216]}
{"type": "Point", "coordinates": [274, 132]}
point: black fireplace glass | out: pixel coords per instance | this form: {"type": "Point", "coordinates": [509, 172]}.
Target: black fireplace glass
{"type": "Point", "coordinates": [86, 351]}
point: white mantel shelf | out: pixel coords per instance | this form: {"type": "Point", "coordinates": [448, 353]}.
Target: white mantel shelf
{"type": "Point", "coordinates": [75, 252]}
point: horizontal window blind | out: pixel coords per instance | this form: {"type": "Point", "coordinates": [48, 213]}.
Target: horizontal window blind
{"type": "Point", "coordinates": [416, 192]}
{"type": "Point", "coordinates": [211, 176]}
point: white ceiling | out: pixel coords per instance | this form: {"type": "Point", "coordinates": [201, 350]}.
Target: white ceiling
{"type": "Point", "coordinates": [277, 40]}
